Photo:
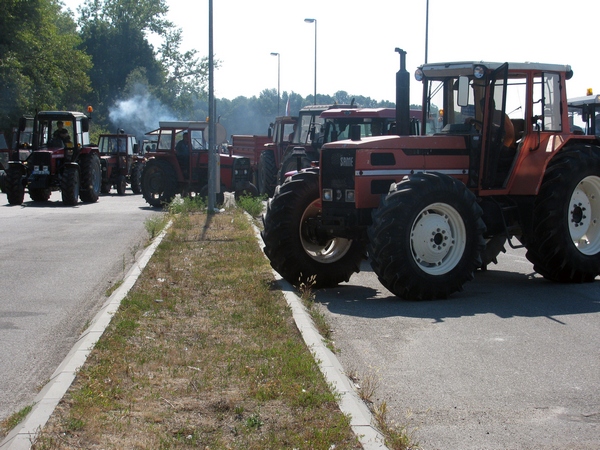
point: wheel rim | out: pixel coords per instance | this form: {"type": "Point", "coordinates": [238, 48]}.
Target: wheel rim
{"type": "Point", "coordinates": [438, 239]}
{"type": "Point", "coordinates": [329, 252]}
{"type": "Point", "coordinates": [584, 216]}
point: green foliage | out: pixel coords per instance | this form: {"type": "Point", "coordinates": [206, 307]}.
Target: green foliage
{"type": "Point", "coordinates": [41, 66]}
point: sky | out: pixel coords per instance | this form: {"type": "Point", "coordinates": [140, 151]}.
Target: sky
{"type": "Point", "coordinates": [356, 40]}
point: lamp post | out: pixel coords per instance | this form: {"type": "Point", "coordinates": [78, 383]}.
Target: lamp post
{"type": "Point", "coordinates": [278, 76]}
{"type": "Point", "coordinates": [315, 22]}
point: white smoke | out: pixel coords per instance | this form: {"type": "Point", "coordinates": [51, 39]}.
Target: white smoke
{"type": "Point", "coordinates": [140, 113]}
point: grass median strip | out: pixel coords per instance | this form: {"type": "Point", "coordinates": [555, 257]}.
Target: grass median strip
{"type": "Point", "coordinates": [203, 353]}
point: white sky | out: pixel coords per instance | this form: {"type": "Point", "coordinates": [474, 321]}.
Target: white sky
{"type": "Point", "coordinates": [356, 40]}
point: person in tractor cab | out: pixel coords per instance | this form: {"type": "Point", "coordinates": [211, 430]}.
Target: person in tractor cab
{"type": "Point", "coordinates": [59, 128]}
{"type": "Point", "coordinates": [182, 150]}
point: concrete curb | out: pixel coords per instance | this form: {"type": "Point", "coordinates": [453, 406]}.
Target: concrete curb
{"type": "Point", "coordinates": [361, 418]}
{"type": "Point", "coordinates": [21, 437]}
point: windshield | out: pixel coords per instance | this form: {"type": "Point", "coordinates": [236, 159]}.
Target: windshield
{"type": "Point", "coordinates": [444, 113]}
{"type": "Point", "coordinates": [307, 123]}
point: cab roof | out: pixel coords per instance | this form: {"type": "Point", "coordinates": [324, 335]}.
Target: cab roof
{"type": "Point", "coordinates": [443, 69]}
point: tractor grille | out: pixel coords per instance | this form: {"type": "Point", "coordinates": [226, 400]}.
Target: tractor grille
{"type": "Point", "coordinates": [242, 170]}
{"type": "Point", "coordinates": [337, 176]}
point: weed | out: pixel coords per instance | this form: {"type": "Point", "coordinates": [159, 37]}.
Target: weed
{"type": "Point", "coordinates": [12, 421]}
{"type": "Point", "coordinates": [252, 205]}
{"type": "Point", "coordinates": [155, 224]}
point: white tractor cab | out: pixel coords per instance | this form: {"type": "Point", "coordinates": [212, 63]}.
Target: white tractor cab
{"type": "Point", "coordinates": [584, 114]}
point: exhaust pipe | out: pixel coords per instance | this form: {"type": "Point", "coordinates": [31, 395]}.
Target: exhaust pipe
{"type": "Point", "coordinates": [402, 97]}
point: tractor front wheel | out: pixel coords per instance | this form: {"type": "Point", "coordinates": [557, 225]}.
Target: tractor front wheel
{"type": "Point", "coordinates": [267, 173]}
{"type": "Point", "coordinates": [297, 247]}
{"type": "Point", "coordinates": [40, 195]}
{"type": "Point", "coordinates": [121, 184]}
{"type": "Point", "coordinates": [426, 237]}
{"type": "Point", "coordinates": [565, 244]}
{"type": "Point", "coordinates": [136, 177]}
{"type": "Point", "coordinates": [69, 185]}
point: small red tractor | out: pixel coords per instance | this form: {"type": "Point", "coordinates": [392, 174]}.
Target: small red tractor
{"type": "Point", "coordinates": [179, 164]}
{"type": "Point", "coordinates": [61, 158]}
{"type": "Point", "coordinates": [121, 163]}
{"type": "Point", "coordinates": [495, 162]}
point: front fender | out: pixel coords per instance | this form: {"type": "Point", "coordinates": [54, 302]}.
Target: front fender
{"type": "Point", "coordinates": [17, 165]}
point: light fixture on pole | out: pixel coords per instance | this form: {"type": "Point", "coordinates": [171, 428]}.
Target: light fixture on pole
{"type": "Point", "coordinates": [278, 76]}
{"type": "Point", "coordinates": [315, 22]}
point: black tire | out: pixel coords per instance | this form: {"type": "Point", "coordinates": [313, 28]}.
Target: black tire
{"type": "Point", "coordinates": [427, 237]}
{"type": "Point", "coordinates": [69, 185]}
{"type": "Point", "coordinates": [250, 190]}
{"type": "Point", "coordinates": [40, 195]}
{"type": "Point", "coordinates": [136, 178]}
{"type": "Point", "coordinates": [565, 244]}
{"type": "Point", "coordinates": [14, 186]}
{"type": "Point", "coordinates": [159, 182]}
{"type": "Point", "coordinates": [91, 178]}
{"type": "Point", "coordinates": [105, 188]}
{"type": "Point", "coordinates": [290, 164]}
{"type": "Point", "coordinates": [294, 250]}
{"type": "Point", "coordinates": [121, 184]}
{"type": "Point", "coordinates": [493, 247]}
{"type": "Point", "coordinates": [267, 173]}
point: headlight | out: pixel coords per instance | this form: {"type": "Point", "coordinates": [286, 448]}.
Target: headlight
{"type": "Point", "coordinates": [327, 195]}
{"type": "Point", "coordinates": [350, 195]}
{"type": "Point", "coordinates": [419, 75]}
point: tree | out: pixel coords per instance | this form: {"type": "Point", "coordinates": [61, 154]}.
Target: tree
{"type": "Point", "coordinates": [40, 64]}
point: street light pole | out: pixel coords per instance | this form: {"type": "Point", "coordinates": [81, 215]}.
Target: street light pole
{"type": "Point", "coordinates": [315, 22]}
{"type": "Point", "coordinates": [278, 76]}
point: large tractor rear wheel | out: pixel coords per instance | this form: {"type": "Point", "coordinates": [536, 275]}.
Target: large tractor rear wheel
{"type": "Point", "coordinates": [427, 237]}
{"type": "Point", "coordinates": [136, 177]}
{"type": "Point", "coordinates": [91, 178]}
{"type": "Point", "coordinates": [267, 173]}
{"type": "Point", "coordinates": [159, 182]}
{"type": "Point", "coordinates": [14, 187]}
{"type": "Point", "coordinates": [300, 252]}
{"type": "Point", "coordinates": [69, 185]}
{"type": "Point", "coordinates": [565, 244]}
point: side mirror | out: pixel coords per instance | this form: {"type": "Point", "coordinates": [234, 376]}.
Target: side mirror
{"type": "Point", "coordinates": [463, 91]}
{"type": "Point", "coordinates": [85, 125]}
{"type": "Point", "coordinates": [355, 132]}
{"type": "Point", "coordinates": [136, 149]}
{"type": "Point", "coordinates": [22, 123]}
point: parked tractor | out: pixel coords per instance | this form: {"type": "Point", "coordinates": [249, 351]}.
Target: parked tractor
{"type": "Point", "coordinates": [179, 165]}
{"type": "Point", "coordinates": [584, 114]}
{"type": "Point", "coordinates": [4, 157]}
{"type": "Point", "coordinates": [121, 163]}
{"type": "Point", "coordinates": [495, 163]}
{"type": "Point", "coordinates": [60, 159]}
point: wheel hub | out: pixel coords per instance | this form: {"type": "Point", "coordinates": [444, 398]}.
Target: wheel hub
{"type": "Point", "coordinates": [432, 238]}
{"type": "Point", "coordinates": [438, 238]}
{"type": "Point", "coordinates": [584, 216]}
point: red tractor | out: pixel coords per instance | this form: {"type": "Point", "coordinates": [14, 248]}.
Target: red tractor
{"type": "Point", "coordinates": [495, 160]}
{"type": "Point", "coordinates": [61, 158]}
{"type": "Point", "coordinates": [179, 165]}
{"type": "Point", "coordinates": [121, 162]}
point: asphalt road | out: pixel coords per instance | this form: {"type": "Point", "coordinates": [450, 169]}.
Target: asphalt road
{"type": "Point", "coordinates": [512, 362]}
{"type": "Point", "coordinates": [56, 265]}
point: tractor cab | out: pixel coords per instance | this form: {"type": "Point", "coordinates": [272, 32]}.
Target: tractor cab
{"type": "Point", "coordinates": [584, 114]}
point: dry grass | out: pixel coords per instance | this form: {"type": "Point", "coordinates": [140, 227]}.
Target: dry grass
{"type": "Point", "coordinates": [203, 353]}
